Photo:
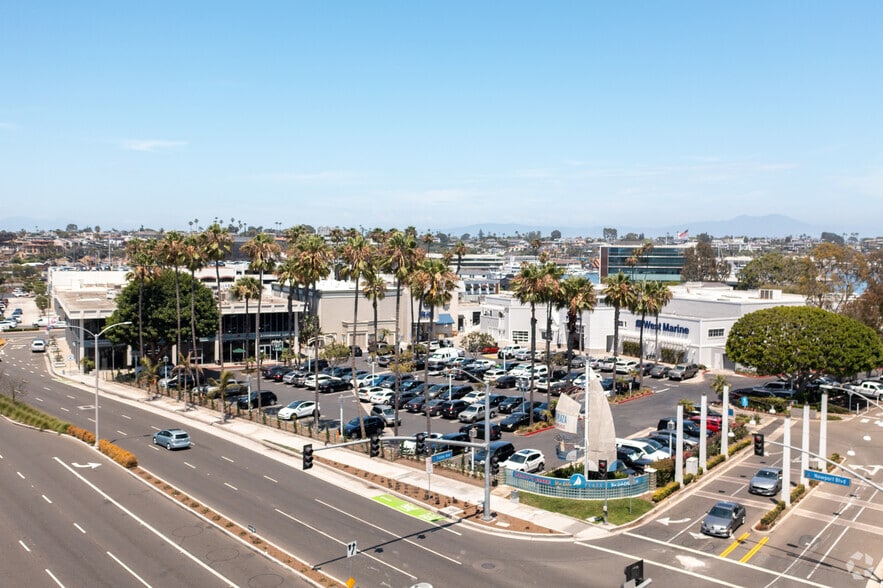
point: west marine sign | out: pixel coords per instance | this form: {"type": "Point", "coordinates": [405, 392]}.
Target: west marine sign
{"type": "Point", "coordinates": [665, 327]}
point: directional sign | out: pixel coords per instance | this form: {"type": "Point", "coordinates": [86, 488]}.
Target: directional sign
{"type": "Point", "coordinates": [744, 402]}
{"type": "Point", "coordinates": [824, 477]}
{"type": "Point", "coordinates": [579, 481]}
{"type": "Point", "coordinates": [351, 549]}
{"type": "Point", "coordinates": [442, 455]}
{"type": "Point", "coordinates": [91, 465]}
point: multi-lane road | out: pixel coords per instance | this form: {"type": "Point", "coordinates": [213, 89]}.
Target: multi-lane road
{"type": "Point", "coordinates": [827, 541]}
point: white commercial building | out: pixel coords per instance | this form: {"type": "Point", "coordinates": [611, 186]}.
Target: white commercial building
{"type": "Point", "coordinates": [696, 322]}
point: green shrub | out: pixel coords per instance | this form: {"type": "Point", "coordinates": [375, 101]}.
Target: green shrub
{"type": "Point", "coordinates": [666, 491]}
{"type": "Point", "coordinates": [739, 445]}
{"type": "Point", "coordinates": [714, 461]}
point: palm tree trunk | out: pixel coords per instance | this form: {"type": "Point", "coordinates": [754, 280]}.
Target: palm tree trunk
{"type": "Point", "coordinates": [548, 353]}
{"type": "Point", "coordinates": [140, 319]}
{"type": "Point", "coordinates": [641, 351]}
{"type": "Point", "coordinates": [193, 324]}
{"type": "Point", "coordinates": [220, 317]}
{"type": "Point", "coordinates": [533, 349]}
{"type": "Point", "coordinates": [353, 364]}
{"type": "Point", "coordinates": [257, 334]}
{"type": "Point", "coordinates": [426, 376]}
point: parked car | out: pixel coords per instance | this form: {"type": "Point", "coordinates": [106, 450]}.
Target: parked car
{"type": "Point", "coordinates": [451, 409]}
{"type": "Point", "coordinates": [491, 375]}
{"type": "Point", "coordinates": [515, 420]}
{"type": "Point", "coordinates": [172, 439]}
{"type": "Point", "coordinates": [374, 425]}
{"type": "Point", "coordinates": [607, 364]}
{"type": "Point", "coordinates": [509, 404]}
{"type": "Point", "coordinates": [766, 482]}
{"type": "Point", "coordinates": [473, 413]}
{"type": "Point", "coordinates": [526, 460]}
{"type": "Point", "coordinates": [368, 391]}
{"type": "Point", "coordinates": [383, 396]}
{"type": "Point", "coordinates": [625, 366]}
{"type": "Point", "coordinates": [651, 451]}
{"type": "Point", "coordinates": [660, 371]}
{"type": "Point", "coordinates": [496, 400]}
{"type": "Point", "coordinates": [633, 458]}
{"type": "Point", "coordinates": [509, 351]}
{"type": "Point", "coordinates": [503, 450]}
{"type": "Point", "coordinates": [356, 350]}
{"type": "Point", "coordinates": [507, 381]}
{"type": "Point", "coordinates": [683, 371]}
{"type": "Point", "coordinates": [291, 376]}
{"type": "Point", "coordinates": [406, 397]}
{"type": "Point", "coordinates": [669, 439]}
{"type": "Point", "coordinates": [434, 407]}
{"type": "Point", "coordinates": [489, 350]}
{"type": "Point", "coordinates": [691, 428]}
{"type": "Point", "coordinates": [415, 404]}
{"type": "Point", "coordinates": [440, 445]}
{"type": "Point", "coordinates": [297, 409]}
{"type": "Point", "coordinates": [334, 385]}
{"type": "Point", "coordinates": [723, 519]}
{"type": "Point", "coordinates": [476, 431]}
{"type": "Point", "coordinates": [387, 413]}
{"type": "Point", "coordinates": [266, 398]}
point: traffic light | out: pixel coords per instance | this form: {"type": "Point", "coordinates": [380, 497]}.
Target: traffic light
{"type": "Point", "coordinates": [375, 446]}
{"type": "Point", "coordinates": [420, 440]}
{"type": "Point", "coordinates": [308, 456]}
{"type": "Point", "coordinates": [495, 469]}
{"type": "Point", "coordinates": [602, 467]}
{"type": "Point", "coordinates": [758, 444]}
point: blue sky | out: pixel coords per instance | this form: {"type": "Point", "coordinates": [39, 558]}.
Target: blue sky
{"type": "Point", "coordinates": [440, 114]}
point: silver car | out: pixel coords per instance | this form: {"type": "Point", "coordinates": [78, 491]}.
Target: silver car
{"type": "Point", "coordinates": [172, 439]}
{"type": "Point", "coordinates": [723, 519]}
{"type": "Point", "coordinates": [766, 482]}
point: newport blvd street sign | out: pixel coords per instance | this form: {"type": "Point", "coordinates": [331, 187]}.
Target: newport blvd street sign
{"type": "Point", "coordinates": [825, 477]}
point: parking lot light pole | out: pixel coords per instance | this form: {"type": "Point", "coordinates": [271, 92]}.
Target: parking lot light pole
{"type": "Point", "coordinates": [97, 358]}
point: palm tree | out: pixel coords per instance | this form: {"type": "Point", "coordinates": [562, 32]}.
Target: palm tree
{"type": "Point", "coordinates": [263, 251]}
{"type": "Point", "coordinates": [194, 260]}
{"type": "Point", "coordinates": [358, 256]}
{"type": "Point", "coordinates": [246, 288]}
{"type": "Point", "coordinates": [374, 289]}
{"type": "Point", "coordinates": [314, 259]}
{"type": "Point", "coordinates": [437, 282]}
{"type": "Point", "coordinates": [217, 243]}
{"type": "Point", "coordinates": [619, 293]}
{"type": "Point", "coordinates": [641, 304]}
{"type": "Point", "coordinates": [661, 295]}
{"type": "Point", "coordinates": [460, 250]}
{"type": "Point", "coordinates": [551, 293]}
{"type": "Point", "coordinates": [399, 257]}
{"type": "Point", "coordinates": [287, 274]}
{"type": "Point", "coordinates": [529, 287]}
{"type": "Point", "coordinates": [171, 252]}
{"type": "Point", "coordinates": [142, 258]}
{"type": "Point", "coordinates": [577, 295]}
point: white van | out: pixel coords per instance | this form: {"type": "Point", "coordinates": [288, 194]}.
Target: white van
{"type": "Point", "coordinates": [509, 351]}
{"type": "Point", "coordinates": [647, 450]}
{"type": "Point", "coordinates": [441, 358]}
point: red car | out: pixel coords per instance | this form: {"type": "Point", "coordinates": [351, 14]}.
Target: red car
{"type": "Point", "coordinates": [712, 423]}
{"type": "Point", "coordinates": [490, 349]}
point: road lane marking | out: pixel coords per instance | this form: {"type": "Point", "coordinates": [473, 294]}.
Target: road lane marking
{"type": "Point", "coordinates": [155, 428]}
{"type": "Point", "coordinates": [47, 389]}
{"type": "Point", "coordinates": [379, 528]}
{"type": "Point", "coordinates": [189, 465]}
{"type": "Point", "coordinates": [46, 498]}
{"type": "Point", "coordinates": [147, 526]}
{"type": "Point", "coordinates": [64, 409]}
{"type": "Point", "coordinates": [38, 399]}
{"type": "Point", "coordinates": [735, 544]}
{"type": "Point", "coordinates": [51, 575]}
{"type": "Point", "coordinates": [336, 540]}
{"type": "Point", "coordinates": [81, 529]}
{"type": "Point", "coordinates": [271, 479]}
{"type": "Point", "coordinates": [228, 459]}
{"type": "Point", "coordinates": [231, 486]}
{"type": "Point", "coordinates": [122, 432]}
{"type": "Point", "coordinates": [71, 397]}
{"type": "Point", "coordinates": [126, 416]}
{"type": "Point", "coordinates": [754, 550]}
{"type": "Point", "coordinates": [20, 475]}
{"type": "Point", "coordinates": [128, 569]}
{"type": "Point", "coordinates": [22, 543]}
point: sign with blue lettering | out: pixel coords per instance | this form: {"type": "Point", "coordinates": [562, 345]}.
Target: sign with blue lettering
{"type": "Point", "coordinates": [825, 477]}
{"type": "Point", "coordinates": [442, 455]}
{"type": "Point", "coordinates": [579, 481]}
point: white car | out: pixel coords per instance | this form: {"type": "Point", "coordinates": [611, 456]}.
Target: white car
{"type": "Point", "coordinates": [526, 460]}
{"type": "Point", "coordinates": [385, 396]}
{"type": "Point", "coordinates": [625, 366]}
{"type": "Point", "coordinates": [492, 374]}
{"type": "Point", "coordinates": [38, 346]}
{"type": "Point", "coordinates": [310, 381]}
{"type": "Point", "coordinates": [483, 364]}
{"type": "Point", "coordinates": [366, 392]}
{"type": "Point", "coordinates": [297, 409]}
{"type": "Point", "coordinates": [474, 397]}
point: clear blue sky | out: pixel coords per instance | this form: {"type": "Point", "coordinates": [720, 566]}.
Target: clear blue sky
{"type": "Point", "coordinates": [440, 114]}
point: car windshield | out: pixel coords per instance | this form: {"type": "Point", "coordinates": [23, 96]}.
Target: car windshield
{"type": "Point", "coordinates": [518, 458]}
{"type": "Point", "coordinates": [769, 474]}
{"type": "Point", "coordinates": [180, 435]}
{"type": "Point", "coordinates": [721, 512]}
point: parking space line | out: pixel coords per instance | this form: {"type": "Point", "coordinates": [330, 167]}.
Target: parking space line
{"type": "Point", "coordinates": [754, 550]}
{"type": "Point", "coordinates": [735, 544]}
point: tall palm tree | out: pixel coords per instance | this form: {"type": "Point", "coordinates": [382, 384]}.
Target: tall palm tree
{"type": "Point", "coordinates": [358, 256]}
{"type": "Point", "coordinates": [263, 250]}
{"type": "Point", "coordinates": [619, 292]}
{"type": "Point", "coordinates": [287, 274]}
{"type": "Point", "coordinates": [577, 294]}
{"type": "Point", "coordinates": [551, 293]}
{"type": "Point", "coordinates": [217, 243]}
{"type": "Point", "coordinates": [641, 304]}
{"type": "Point", "coordinates": [529, 287]}
{"type": "Point", "coordinates": [194, 260]}
{"type": "Point", "coordinates": [314, 259]}
{"type": "Point", "coordinates": [661, 296]}
{"type": "Point", "coordinates": [460, 250]}
{"type": "Point", "coordinates": [437, 282]}
{"type": "Point", "coordinates": [171, 252]}
{"type": "Point", "coordinates": [246, 288]}
{"type": "Point", "coordinates": [374, 289]}
{"type": "Point", "coordinates": [142, 259]}
{"type": "Point", "coordinates": [399, 256]}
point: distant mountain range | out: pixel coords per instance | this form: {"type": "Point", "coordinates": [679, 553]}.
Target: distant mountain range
{"type": "Point", "coordinates": [773, 225]}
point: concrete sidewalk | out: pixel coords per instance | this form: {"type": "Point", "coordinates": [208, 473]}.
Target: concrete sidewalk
{"type": "Point", "coordinates": [269, 440]}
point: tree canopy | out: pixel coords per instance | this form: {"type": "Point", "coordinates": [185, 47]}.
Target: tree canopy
{"type": "Point", "coordinates": [160, 315]}
{"type": "Point", "coordinates": [803, 342]}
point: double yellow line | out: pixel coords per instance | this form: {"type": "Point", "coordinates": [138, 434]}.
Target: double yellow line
{"type": "Point", "coordinates": [751, 553]}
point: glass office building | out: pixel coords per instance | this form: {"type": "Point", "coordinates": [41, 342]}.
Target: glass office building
{"type": "Point", "coordinates": [662, 263]}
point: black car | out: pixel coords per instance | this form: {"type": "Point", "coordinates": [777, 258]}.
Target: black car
{"type": "Point", "coordinates": [270, 372]}
{"type": "Point", "coordinates": [374, 425]}
{"type": "Point", "coordinates": [279, 374]}
{"type": "Point", "coordinates": [509, 404]}
{"type": "Point", "coordinates": [507, 381]}
{"type": "Point", "coordinates": [434, 407]}
{"type": "Point", "coordinates": [452, 408]}
{"type": "Point", "coordinates": [632, 458]}
{"type": "Point", "coordinates": [406, 397]}
{"type": "Point", "coordinates": [356, 350]}
{"type": "Point", "coordinates": [476, 431]}
{"type": "Point", "coordinates": [436, 389]}
{"type": "Point", "coordinates": [455, 393]}
{"type": "Point", "coordinates": [267, 398]}
{"type": "Point", "coordinates": [496, 400]}
{"type": "Point", "coordinates": [415, 404]}
{"type": "Point", "coordinates": [334, 385]}
{"type": "Point", "coordinates": [440, 445]}
{"type": "Point", "coordinates": [691, 429]}
{"type": "Point", "coordinates": [515, 420]}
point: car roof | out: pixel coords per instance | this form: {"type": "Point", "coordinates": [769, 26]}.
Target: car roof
{"type": "Point", "coordinates": [176, 430]}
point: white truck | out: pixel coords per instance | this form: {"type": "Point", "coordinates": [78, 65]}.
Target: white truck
{"type": "Point", "coordinates": [869, 388]}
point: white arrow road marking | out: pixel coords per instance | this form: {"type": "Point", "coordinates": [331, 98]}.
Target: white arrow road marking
{"type": "Point", "coordinates": [696, 535]}
{"type": "Point", "coordinates": [667, 521]}
{"type": "Point", "coordinates": [91, 464]}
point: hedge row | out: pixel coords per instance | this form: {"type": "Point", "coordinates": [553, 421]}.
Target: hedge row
{"type": "Point", "coordinates": [125, 458]}
{"type": "Point", "coordinates": [23, 413]}
{"type": "Point", "coordinates": [82, 434]}
{"type": "Point", "coordinates": [769, 519]}
{"type": "Point", "coordinates": [666, 491]}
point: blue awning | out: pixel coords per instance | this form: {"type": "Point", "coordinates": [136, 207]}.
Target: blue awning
{"type": "Point", "coordinates": [444, 319]}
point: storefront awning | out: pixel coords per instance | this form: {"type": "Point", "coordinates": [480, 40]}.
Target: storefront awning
{"type": "Point", "coordinates": [444, 319]}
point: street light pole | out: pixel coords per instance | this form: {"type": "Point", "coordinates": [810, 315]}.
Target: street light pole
{"type": "Point", "coordinates": [97, 359]}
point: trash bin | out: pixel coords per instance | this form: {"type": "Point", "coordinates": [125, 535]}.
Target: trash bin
{"type": "Point", "coordinates": [692, 466]}
{"type": "Point", "coordinates": [513, 497]}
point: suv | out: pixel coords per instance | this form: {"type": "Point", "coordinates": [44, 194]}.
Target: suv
{"type": "Point", "coordinates": [525, 460]}
{"type": "Point", "coordinates": [502, 450]}
{"type": "Point", "coordinates": [38, 346]}
{"type": "Point", "coordinates": [374, 425]}
{"type": "Point", "coordinates": [387, 413]}
{"type": "Point", "coordinates": [683, 371]}
{"type": "Point", "coordinates": [452, 408]}
{"type": "Point", "coordinates": [267, 398]}
{"type": "Point", "coordinates": [509, 351]}
{"type": "Point", "coordinates": [473, 413]}
{"type": "Point", "coordinates": [476, 431]}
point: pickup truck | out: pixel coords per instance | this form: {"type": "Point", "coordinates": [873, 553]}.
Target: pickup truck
{"type": "Point", "coordinates": [869, 388]}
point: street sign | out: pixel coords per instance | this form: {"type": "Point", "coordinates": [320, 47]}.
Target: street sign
{"type": "Point", "coordinates": [730, 412]}
{"type": "Point", "coordinates": [351, 549]}
{"type": "Point", "coordinates": [825, 477]}
{"type": "Point", "coordinates": [442, 455]}
{"type": "Point", "coordinates": [428, 465]}
{"type": "Point", "coordinates": [744, 402]}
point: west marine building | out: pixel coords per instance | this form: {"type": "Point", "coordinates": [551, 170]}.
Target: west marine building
{"type": "Point", "coordinates": [695, 323]}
